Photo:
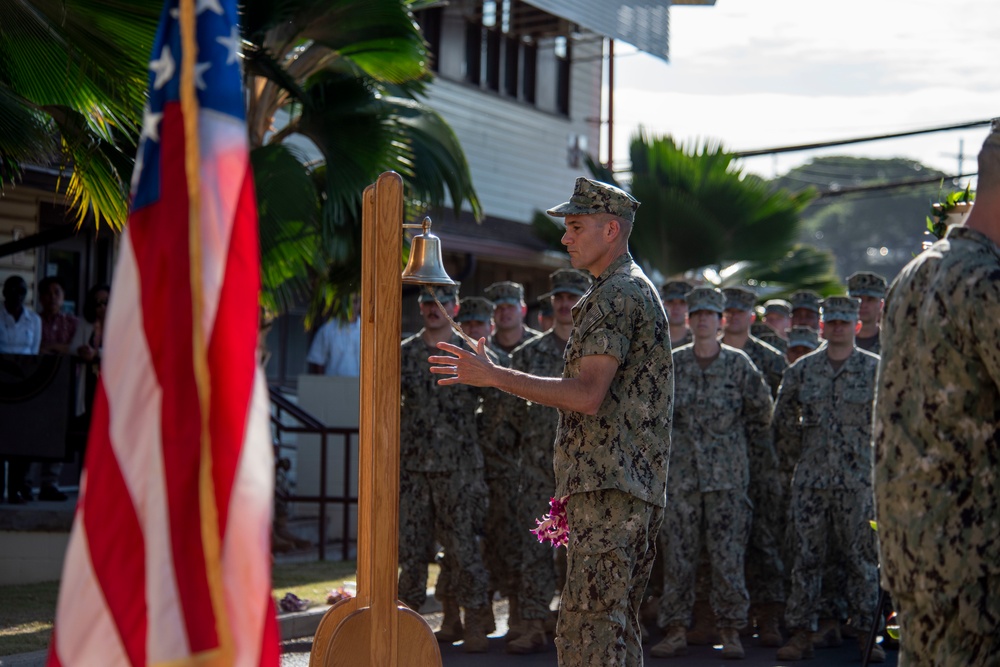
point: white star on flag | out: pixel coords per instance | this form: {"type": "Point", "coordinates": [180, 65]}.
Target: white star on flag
{"type": "Point", "coordinates": [199, 70]}
{"type": "Point", "coordinates": [151, 126]}
{"type": "Point", "coordinates": [208, 4]}
{"type": "Point", "coordinates": [232, 44]}
{"type": "Point", "coordinates": [164, 67]}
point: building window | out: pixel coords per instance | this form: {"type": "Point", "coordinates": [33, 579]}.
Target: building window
{"type": "Point", "coordinates": [473, 52]}
{"type": "Point", "coordinates": [501, 51]}
{"type": "Point", "coordinates": [530, 57]}
{"type": "Point", "coordinates": [562, 48]}
{"type": "Point", "coordinates": [493, 41]}
{"type": "Point", "coordinates": [511, 72]}
{"type": "Point", "coordinates": [430, 24]}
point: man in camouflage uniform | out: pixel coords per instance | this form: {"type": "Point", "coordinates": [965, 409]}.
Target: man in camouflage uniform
{"type": "Point", "coordinates": [497, 440]}
{"type": "Point", "coordinates": [777, 317]}
{"type": "Point", "coordinates": [546, 316]}
{"type": "Point", "coordinates": [822, 425]}
{"type": "Point", "coordinates": [870, 288]}
{"type": "Point", "coordinates": [442, 494]}
{"type": "Point", "coordinates": [765, 570]}
{"type": "Point", "coordinates": [722, 422]}
{"type": "Point", "coordinates": [537, 423]}
{"type": "Point", "coordinates": [615, 402]}
{"type": "Point", "coordinates": [805, 309]}
{"type": "Point", "coordinates": [672, 293]}
{"type": "Point", "coordinates": [509, 315]}
{"type": "Point", "coordinates": [801, 341]}
{"type": "Point", "coordinates": [736, 333]}
{"type": "Point", "coordinates": [937, 438]}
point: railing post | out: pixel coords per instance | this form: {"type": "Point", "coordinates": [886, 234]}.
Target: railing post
{"type": "Point", "coordinates": [322, 497]}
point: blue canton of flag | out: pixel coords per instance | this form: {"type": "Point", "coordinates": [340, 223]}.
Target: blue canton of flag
{"type": "Point", "coordinates": [219, 90]}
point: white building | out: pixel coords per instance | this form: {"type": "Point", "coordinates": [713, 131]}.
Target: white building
{"type": "Point", "coordinates": [520, 82]}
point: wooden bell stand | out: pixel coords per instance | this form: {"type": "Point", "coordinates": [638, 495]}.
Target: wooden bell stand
{"type": "Point", "coordinates": [373, 629]}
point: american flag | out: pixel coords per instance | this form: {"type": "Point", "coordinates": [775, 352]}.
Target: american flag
{"type": "Point", "coordinates": [169, 560]}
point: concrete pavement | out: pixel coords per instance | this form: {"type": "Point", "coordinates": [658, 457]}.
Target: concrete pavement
{"type": "Point", "coordinates": [296, 651]}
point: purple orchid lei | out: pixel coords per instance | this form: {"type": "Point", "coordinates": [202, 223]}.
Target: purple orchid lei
{"type": "Point", "coordinates": [553, 527]}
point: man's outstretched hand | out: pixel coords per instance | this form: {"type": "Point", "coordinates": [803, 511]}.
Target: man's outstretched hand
{"type": "Point", "coordinates": [472, 368]}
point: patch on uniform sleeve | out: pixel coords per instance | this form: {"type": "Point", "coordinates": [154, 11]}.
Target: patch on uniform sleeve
{"type": "Point", "coordinates": [593, 316]}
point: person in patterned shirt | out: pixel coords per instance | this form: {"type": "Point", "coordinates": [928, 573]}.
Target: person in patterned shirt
{"type": "Point", "coordinates": [822, 430]}
{"type": "Point", "coordinates": [672, 293]}
{"type": "Point", "coordinates": [870, 288]}
{"type": "Point", "coordinates": [497, 440]}
{"type": "Point", "coordinates": [615, 401]}
{"type": "Point", "coordinates": [536, 425]}
{"type": "Point", "coordinates": [510, 329]}
{"type": "Point", "coordinates": [58, 327]}
{"type": "Point", "coordinates": [442, 493]}
{"type": "Point", "coordinates": [937, 439]}
{"type": "Point", "coordinates": [721, 444]}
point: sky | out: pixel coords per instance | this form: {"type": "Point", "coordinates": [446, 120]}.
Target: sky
{"type": "Point", "coordinates": [767, 73]}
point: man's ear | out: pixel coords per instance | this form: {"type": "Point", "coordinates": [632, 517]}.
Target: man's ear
{"type": "Point", "coordinates": [613, 230]}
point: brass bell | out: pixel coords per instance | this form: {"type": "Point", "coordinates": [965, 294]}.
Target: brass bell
{"type": "Point", "coordinates": [425, 266]}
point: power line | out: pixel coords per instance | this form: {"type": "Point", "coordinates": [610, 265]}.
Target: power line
{"type": "Point", "coordinates": [825, 194]}
{"type": "Point", "coordinates": [844, 142]}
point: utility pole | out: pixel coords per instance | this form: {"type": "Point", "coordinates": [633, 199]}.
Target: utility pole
{"type": "Point", "coordinates": [611, 105]}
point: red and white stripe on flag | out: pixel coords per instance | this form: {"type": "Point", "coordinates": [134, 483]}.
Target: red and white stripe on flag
{"type": "Point", "coordinates": [169, 557]}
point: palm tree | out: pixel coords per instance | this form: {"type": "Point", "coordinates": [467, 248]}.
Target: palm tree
{"type": "Point", "coordinates": [73, 78]}
{"type": "Point", "coordinates": [333, 100]}
{"type": "Point", "coordinates": [699, 209]}
{"type": "Point", "coordinates": [334, 90]}
{"type": "Point", "coordinates": [802, 267]}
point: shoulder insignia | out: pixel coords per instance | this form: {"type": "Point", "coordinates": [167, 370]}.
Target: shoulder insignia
{"type": "Point", "coordinates": [593, 316]}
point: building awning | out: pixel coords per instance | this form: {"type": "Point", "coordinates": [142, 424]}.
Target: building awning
{"type": "Point", "coordinates": [645, 24]}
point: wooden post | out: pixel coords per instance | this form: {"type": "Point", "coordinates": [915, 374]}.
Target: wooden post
{"type": "Point", "coordinates": [373, 629]}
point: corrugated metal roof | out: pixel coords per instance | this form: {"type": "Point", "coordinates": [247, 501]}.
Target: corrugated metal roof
{"type": "Point", "coordinates": [643, 23]}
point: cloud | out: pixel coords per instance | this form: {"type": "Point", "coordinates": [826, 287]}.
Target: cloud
{"type": "Point", "coordinates": [762, 73]}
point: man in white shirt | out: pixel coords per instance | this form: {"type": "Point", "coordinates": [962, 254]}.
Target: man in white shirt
{"type": "Point", "coordinates": [336, 349]}
{"type": "Point", "coordinates": [20, 327]}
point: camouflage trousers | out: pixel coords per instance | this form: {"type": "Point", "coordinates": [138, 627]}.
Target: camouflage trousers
{"type": "Point", "coordinates": [501, 542]}
{"type": "Point", "coordinates": [611, 547]}
{"type": "Point", "coordinates": [448, 507]}
{"type": "Point", "coordinates": [721, 521]}
{"type": "Point", "coordinates": [838, 520]}
{"type": "Point", "coordinates": [956, 626]}
{"type": "Point", "coordinates": [764, 567]}
{"type": "Point", "coordinates": [537, 583]}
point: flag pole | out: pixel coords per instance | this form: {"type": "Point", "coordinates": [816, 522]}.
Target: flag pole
{"type": "Point", "coordinates": [224, 655]}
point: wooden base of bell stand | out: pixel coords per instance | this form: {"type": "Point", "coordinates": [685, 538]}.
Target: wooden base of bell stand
{"type": "Point", "coordinates": [374, 629]}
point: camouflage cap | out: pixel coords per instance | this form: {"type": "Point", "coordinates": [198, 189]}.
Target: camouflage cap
{"type": "Point", "coordinates": [591, 197]}
{"type": "Point", "coordinates": [475, 309]}
{"type": "Point", "coordinates": [705, 298]}
{"type": "Point", "coordinates": [778, 306]}
{"type": "Point", "coordinates": [545, 306]}
{"type": "Point", "coordinates": [739, 298]}
{"type": "Point", "coordinates": [506, 291]}
{"type": "Point", "coordinates": [805, 299]}
{"type": "Point", "coordinates": [568, 280]}
{"type": "Point", "coordinates": [675, 289]}
{"type": "Point", "coordinates": [443, 293]}
{"type": "Point", "coordinates": [840, 308]}
{"type": "Point", "coordinates": [866, 283]}
{"type": "Point", "coordinates": [803, 337]}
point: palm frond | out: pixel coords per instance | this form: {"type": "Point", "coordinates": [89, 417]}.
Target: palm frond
{"type": "Point", "coordinates": [699, 209]}
{"type": "Point", "coordinates": [437, 158]}
{"type": "Point", "coordinates": [287, 210]}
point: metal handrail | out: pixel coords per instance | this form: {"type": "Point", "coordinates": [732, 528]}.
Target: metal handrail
{"type": "Point", "coordinates": [310, 424]}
